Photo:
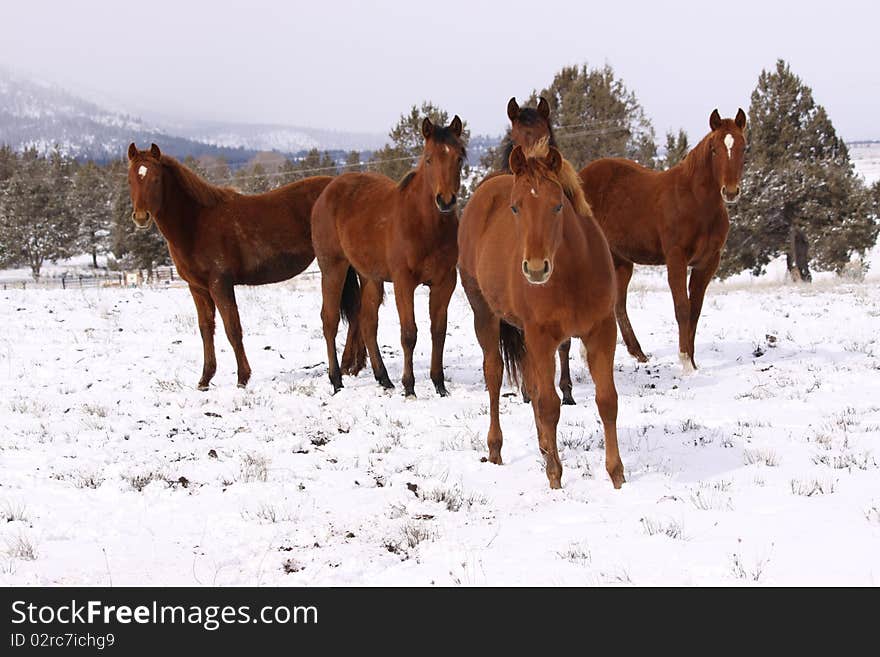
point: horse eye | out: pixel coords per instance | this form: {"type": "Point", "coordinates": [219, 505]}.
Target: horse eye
{"type": "Point", "coordinates": [558, 209]}
{"type": "Point", "coordinates": [428, 160]}
{"type": "Point", "coordinates": [514, 209]}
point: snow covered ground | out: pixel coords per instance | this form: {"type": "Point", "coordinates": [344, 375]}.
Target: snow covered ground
{"type": "Point", "coordinates": [761, 468]}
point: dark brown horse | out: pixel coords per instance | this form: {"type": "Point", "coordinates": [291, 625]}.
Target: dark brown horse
{"type": "Point", "coordinates": [676, 217]}
{"type": "Point", "coordinates": [528, 126]}
{"type": "Point", "coordinates": [367, 226]}
{"type": "Point", "coordinates": [536, 273]}
{"type": "Point", "coordinates": [219, 238]}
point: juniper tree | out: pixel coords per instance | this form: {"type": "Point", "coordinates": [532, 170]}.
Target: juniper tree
{"type": "Point", "coordinates": [353, 163]}
{"type": "Point", "coordinates": [801, 197]}
{"type": "Point", "coordinates": [35, 222]}
{"type": "Point", "coordinates": [676, 148]}
{"type": "Point", "coordinates": [595, 115]}
{"type": "Point", "coordinates": [91, 201]}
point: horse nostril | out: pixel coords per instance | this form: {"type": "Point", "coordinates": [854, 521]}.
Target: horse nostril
{"type": "Point", "coordinates": [452, 200]}
{"type": "Point", "coordinates": [546, 266]}
{"type": "Point", "coordinates": [525, 267]}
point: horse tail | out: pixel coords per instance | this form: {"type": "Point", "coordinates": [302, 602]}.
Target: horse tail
{"type": "Point", "coordinates": [350, 304]}
{"type": "Point", "coordinates": [513, 350]}
{"type": "Point", "coordinates": [574, 190]}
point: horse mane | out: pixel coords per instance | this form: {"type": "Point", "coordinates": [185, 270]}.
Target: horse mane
{"type": "Point", "coordinates": [696, 157]}
{"type": "Point", "coordinates": [197, 188]}
{"type": "Point", "coordinates": [567, 177]}
{"type": "Point", "coordinates": [406, 180]}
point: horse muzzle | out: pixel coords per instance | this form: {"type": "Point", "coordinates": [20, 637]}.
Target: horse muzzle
{"type": "Point", "coordinates": [142, 220]}
{"type": "Point", "coordinates": [444, 206]}
{"type": "Point", "coordinates": [730, 197]}
{"type": "Point", "coordinates": [537, 272]}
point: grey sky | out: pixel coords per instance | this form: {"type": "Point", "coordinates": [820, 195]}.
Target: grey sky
{"type": "Point", "coordinates": [357, 65]}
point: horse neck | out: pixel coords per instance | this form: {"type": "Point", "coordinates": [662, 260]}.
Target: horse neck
{"type": "Point", "coordinates": [418, 198]}
{"type": "Point", "coordinates": [696, 170]}
{"type": "Point", "coordinates": [178, 213]}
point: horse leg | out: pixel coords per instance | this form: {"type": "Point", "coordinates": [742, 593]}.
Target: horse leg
{"type": "Point", "coordinates": [438, 305]}
{"type": "Point", "coordinates": [223, 293]}
{"type": "Point", "coordinates": [624, 271]}
{"type": "Point", "coordinates": [404, 289]}
{"type": "Point", "coordinates": [700, 277]}
{"type": "Point", "coordinates": [676, 275]}
{"type": "Point", "coordinates": [205, 309]}
{"type": "Point", "coordinates": [488, 330]}
{"type": "Point", "coordinates": [541, 365]}
{"type": "Point", "coordinates": [565, 373]}
{"type": "Point", "coordinates": [600, 343]}
{"type": "Point", "coordinates": [333, 273]}
{"type": "Point", "coordinates": [372, 294]}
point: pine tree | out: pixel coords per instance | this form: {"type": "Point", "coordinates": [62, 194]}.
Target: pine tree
{"type": "Point", "coordinates": [353, 163]}
{"type": "Point", "coordinates": [595, 115]}
{"type": "Point", "coordinates": [676, 148]}
{"type": "Point", "coordinates": [35, 222]}
{"type": "Point", "coordinates": [801, 197]}
{"type": "Point", "coordinates": [91, 200]}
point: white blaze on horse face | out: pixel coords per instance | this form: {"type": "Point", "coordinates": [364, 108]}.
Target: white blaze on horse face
{"type": "Point", "coordinates": [142, 172]}
{"type": "Point", "coordinates": [534, 193]}
{"type": "Point", "coordinates": [446, 149]}
{"type": "Point", "coordinates": [728, 142]}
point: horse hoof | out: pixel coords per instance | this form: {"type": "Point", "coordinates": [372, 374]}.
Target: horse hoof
{"type": "Point", "coordinates": [617, 477]}
{"type": "Point", "coordinates": [203, 387]}
{"type": "Point", "coordinates": [526, 399]}
{"type": "Point", "coordinates": [385, 383]}
{"type": "Point", "coordinates": [242, 385]}
{"type": "Point", "coordinates": [687, 364]}
{"type": "Point", "coordinates": [555, 484]}
{"type": "Point", "coordinates": [495, 458]}
{"type": "Point", "coordinates": [567, 399]}
{"type": "Point", "coordinates": [410, 396]}
{"type": "Point", "coordinates": [441, 389]}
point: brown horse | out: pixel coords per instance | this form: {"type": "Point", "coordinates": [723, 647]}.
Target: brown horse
{"type": "Point", "coordinates": [219, 238]}
{"type": "Point", "coordinates": [675, 217]}
{"type": "Point", "coordinates": [527, 127]}
{"type": "Point", "coordinates": [536, 273]}
{"type": "Point", "coordinates": [367, 226]}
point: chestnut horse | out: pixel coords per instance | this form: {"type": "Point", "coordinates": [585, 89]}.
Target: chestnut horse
{"type": "Point", "coordinates": [536, 273]}
{"type": "Point", "coordinates": [365, 226]}
{"type": "Point", "coordinates": [219, 238]}
{"type": "Point", "coordinates": [527, 127]}
{"type": "Point", "coordinates": [675, 217]}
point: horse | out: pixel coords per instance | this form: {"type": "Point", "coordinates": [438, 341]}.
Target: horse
{"type": "Point", "coordinates": [675, 217]}
{"type": "Point", "coordinates": [527, 127]}
{"type": "Point", "coordinates": [368, 229]}
{"type": "Point", "coordinates": [219, 238]}
{"type": "Point", "coordinates": [536, 273]}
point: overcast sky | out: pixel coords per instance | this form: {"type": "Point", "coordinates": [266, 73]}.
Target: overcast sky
{"type": "Point", "coordinates": [357, 65]}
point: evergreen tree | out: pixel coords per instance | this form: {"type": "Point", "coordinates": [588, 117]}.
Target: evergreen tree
{"type": "Point", "coordinates": [353, 163]}
{"type": "Point", "coordinates": [35, 223]}
{"type": "Point", "coordinates": [597, 116]}
{"type": "Point", "coordinates": [91, 201]}
{"type": "Point", "coordinates": [676, 148]}
{"type": "Point", "coordinates": [801, 197]}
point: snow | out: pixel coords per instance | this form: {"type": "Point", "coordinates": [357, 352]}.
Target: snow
{"type": "Point", "coordinates": [761, 467]}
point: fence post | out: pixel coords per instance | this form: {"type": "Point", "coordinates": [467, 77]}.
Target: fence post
{"type": "Point", "coordinates": [63, 283]}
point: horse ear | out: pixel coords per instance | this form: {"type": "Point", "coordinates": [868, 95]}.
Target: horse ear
{"type": "Point", "coordinates": [155, 152]}
{"type": "Point", "coordinates": [512, 109]}
{"type": "Point", "coordinates": [740, 119]}
{"type": "Point", "coordinates": [427, 128]}
{"type": "Point", "coordinates": [132, 151]}
{"type": "Point", "coordinates": [517, 161]}
{"type": "Point", "coordinates": [455, 126]}
{"type": "Point", "coordinates": [554, 160]}
{"type": "Point", "coordinates": [714, 120]}
{"type": "Point", "coordinates": [544, 108]}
